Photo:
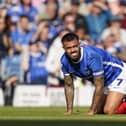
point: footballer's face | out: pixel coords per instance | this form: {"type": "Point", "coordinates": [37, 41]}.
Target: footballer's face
{"type": "Point", "coordinates": [72, 48]}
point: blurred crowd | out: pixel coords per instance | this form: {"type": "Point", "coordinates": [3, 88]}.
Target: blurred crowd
{"type": "Point", "coordinates": [31, 32]}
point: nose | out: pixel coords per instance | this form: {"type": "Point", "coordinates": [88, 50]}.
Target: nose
{"type": "Point", "coordinates": [72, 50]}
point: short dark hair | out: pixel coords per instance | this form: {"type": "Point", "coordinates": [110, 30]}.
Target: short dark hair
{"type": "Point", "coordinates": [24, 16]}
{"type": "Point", "coordinates": [69, 37]}
{"type": "Point", "coordinates": [66, 15]}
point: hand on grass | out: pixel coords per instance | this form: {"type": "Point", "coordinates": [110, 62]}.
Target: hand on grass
{"type": "Point", "coordinates": [90, 113]}
{"type": "Point", "coordinates": [68, 113]}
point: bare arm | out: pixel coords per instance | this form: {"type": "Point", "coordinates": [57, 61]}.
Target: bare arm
{"type": "Point", "coordinates": [69, 93]}
{"type": "Point", "coordinates": [99, 86]}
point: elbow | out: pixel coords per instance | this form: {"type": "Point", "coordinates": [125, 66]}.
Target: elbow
{"type": "Point", "coordinates": [100, 88]}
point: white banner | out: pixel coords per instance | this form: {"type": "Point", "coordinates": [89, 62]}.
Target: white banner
{"type": "Point", "coordinates": [56, 96]}
{"type": "Point", "coordinates": [1, 97]}
{"type": "Point", "coordinates": [30, 95]}
{"type": "Point", "coordinates": [85, 95]}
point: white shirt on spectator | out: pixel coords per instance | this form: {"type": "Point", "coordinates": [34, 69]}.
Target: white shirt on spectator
{"type": "Point", "coordinates": [122, 32]}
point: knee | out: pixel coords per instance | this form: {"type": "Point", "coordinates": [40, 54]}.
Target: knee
{"type": "Point", "coordinates": [109, 110]}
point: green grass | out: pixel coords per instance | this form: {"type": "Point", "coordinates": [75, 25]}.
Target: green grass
{"type": "Point", "coordinates": [45, 116]}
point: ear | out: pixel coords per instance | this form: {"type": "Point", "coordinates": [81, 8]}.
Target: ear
{"type": "Point", "coordinates": [80, 42]}
{"type": "Point", "coordinates": [62, 46]}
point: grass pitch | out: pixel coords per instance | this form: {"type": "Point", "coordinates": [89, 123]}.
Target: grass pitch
{"type": "Point", "coordinates": [54, 116]}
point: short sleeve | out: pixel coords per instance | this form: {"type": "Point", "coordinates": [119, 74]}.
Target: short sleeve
{"type": "Point", "coordinates": [64, 66]}
{"type": "Point", "coordinates": [65, 70]}
{"type": "Point", "coordinates": [95, 63]}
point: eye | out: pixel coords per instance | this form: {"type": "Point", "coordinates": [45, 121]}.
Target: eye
{"type": "Point", "coordinates": [75, 46]}
{"type": "Point", "coordinates": [68, 47]}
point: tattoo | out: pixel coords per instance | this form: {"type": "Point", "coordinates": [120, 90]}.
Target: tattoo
{"type": "Point", "coordinates": [68, 80]}
{"type": "Point", "coordinates": [99, 86]}
{"type": "Point", "coordinates": [69, 92]}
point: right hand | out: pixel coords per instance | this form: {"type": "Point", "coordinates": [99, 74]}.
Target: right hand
{"type": "Point", "coordinates": [41, 26]}
{"type": "Point", "coordinates": [68, 113]}
{"type": "Point", "coordinates": [91, 113]}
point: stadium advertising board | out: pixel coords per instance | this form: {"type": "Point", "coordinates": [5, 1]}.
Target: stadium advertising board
{"type": "Point", "coordinates": [1, 97]}
{"type": "Point", "coordinates": [29, 96]}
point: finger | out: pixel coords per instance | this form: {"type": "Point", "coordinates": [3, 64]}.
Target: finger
{"type": "Point", "coordinates": [67, 113]}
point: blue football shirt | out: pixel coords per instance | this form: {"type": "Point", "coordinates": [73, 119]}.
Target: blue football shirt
{"type": "Point", "coordinates": [94, 62]}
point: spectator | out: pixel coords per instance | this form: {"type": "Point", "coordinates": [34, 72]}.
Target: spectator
{"type": "Point", "coordinates": [5, 42]}
{"type": "Point", "coordinates": [88, 1]}
{"type": "Point", "coordinates": [21, 37]}
{"type": "Point", "coordinates": [51, 10]}
{"type": "Point", "coordinates": [45, 42]}
{"type": "Point", "coordinates": [53, 64]}
{"type": "Point", "coordinates": [14, 11]}
{"type": "Point", "coordinates": [37, 73]}
{"type": "Point", "coordinates": [116, 30]}
{"type": "Point", "coordinates": [97, 19]}
{"type": "Point", "coordinates": [83, 8]}
{"type": "Point", "coordinates": [41, 25]}
{"type": "Point", "coordinates": [3, 10]}
{"type": "Point", "coordinates": [51, 13]}
{"type": "Point", "coordinates": [8, 3]}
{"type": "Point", "coordinates": [36, 3]}
{"type": "Point", "coordinates": [80, 20]}
{"type": "Point", "coordinates": [10, 25]}
{"type": "Point", "coordinates": [108, 44]}
{"type": "Point", "coordinates": [123, 13]}
{"type": "Point", "coordinates": [11, 73]}
{"type": "Point", "coordinates": [82, 34]}
{"type": "Point", "coordinates": [22, 34]}
{"type": "Point", "coordinates": [117, 34]}
{"type": "Point", "coordinates": [68, 21]}
{"type": "Point", "coordinates": [114, 6]}
{"type": "Point", "coordinates": [64, 7]}
{"type": "Point", "coordinates": [28, 9]}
